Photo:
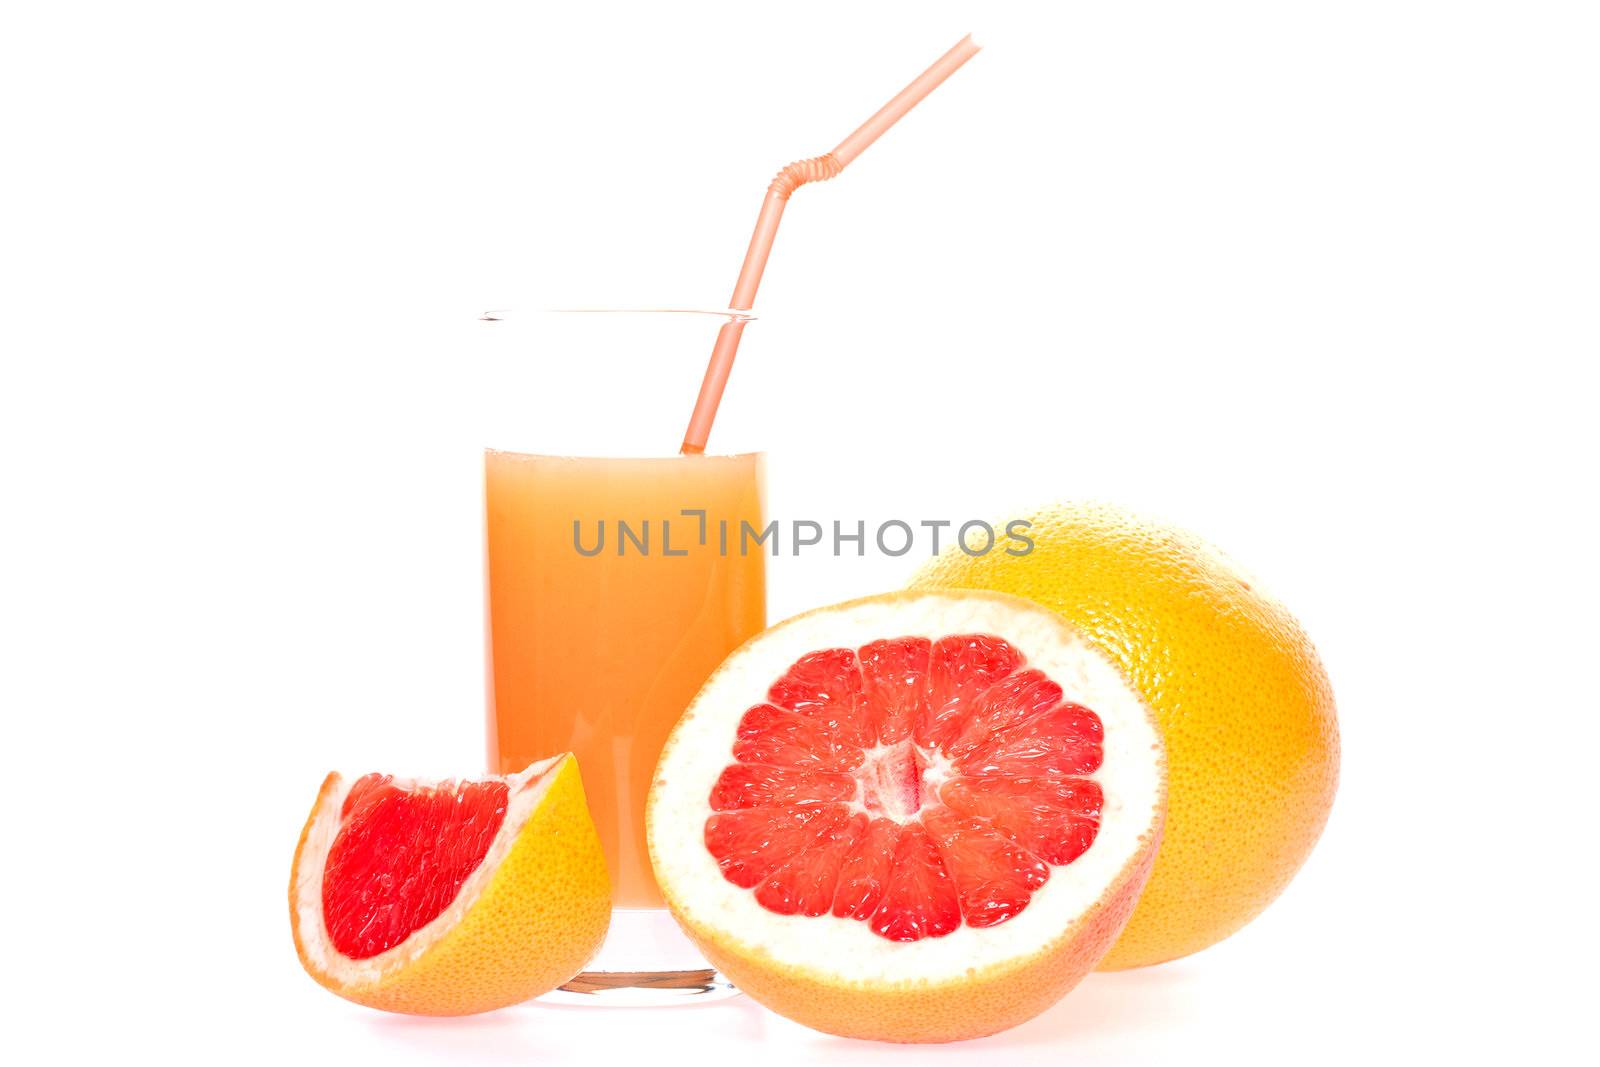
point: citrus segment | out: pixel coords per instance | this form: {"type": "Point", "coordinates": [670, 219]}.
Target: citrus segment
{"type": "Point", "coordinates": [920, 899]}
{"type": "Point", "coordinates": [1054, 820]}
{"type": "Point", "coordinates": [401, 856]}
{"type": "Point", "coordinates": [894, 682]}
{"type": "Point", "coordinates": [864, 871]}
{"type": "Point", "coordinates": [961, 669]}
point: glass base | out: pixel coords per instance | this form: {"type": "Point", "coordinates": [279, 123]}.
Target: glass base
{"type": "Point", "coordinates": [644, 961]}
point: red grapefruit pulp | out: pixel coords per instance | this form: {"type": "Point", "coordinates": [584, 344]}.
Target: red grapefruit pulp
{"type": "Point", "coordinates": [401, 856]}
{"type": "Point", "coordinates": [913, 783]}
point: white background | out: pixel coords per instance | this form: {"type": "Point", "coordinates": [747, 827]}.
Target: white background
{"type": "Point", "coordinates": [1317, 280]}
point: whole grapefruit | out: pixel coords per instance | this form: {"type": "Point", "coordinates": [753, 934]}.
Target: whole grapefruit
{"type": "Point", "coordinates": [1243, 703]}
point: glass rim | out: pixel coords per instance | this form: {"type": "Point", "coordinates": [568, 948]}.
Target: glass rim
{"type": "Point", "coordinates": [757, 454]}
{"type": "Point", "coordinates": [511, 314]}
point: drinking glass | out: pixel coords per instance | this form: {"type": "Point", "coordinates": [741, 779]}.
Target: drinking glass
{"type": "Point", "coordinates": [613, 591]}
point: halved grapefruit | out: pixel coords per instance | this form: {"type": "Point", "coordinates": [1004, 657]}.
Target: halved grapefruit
{"type": "Point", "coordinates": [450, 897]}
{"type": "Point", "coordinates": [914, 817]}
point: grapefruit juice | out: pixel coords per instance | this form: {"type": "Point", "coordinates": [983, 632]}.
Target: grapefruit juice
{"type": "Point", "coordinates": [615, 588]}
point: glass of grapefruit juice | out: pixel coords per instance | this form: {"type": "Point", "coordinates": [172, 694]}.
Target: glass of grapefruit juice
{"type": "Point", "coordinates": [598, 653]}
{"type": "Point", "coordinates": [616, 585]}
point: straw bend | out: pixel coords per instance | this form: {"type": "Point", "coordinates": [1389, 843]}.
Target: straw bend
{"type": "Point", "coordinates": [816, 169]}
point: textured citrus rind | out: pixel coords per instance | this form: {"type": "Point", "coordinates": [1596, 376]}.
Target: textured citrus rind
{"type": "Point", "coordinates": [1245, 708]}
{"type": "Point", "coordinates": [985, 1001]}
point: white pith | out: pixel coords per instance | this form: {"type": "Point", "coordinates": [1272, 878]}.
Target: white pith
{"type": "Point", "coordinates": [847, 949]}
{"type": "Point", "coordinates": [526, 789]}
{"type": "Point", "coordinates": [872, 799]}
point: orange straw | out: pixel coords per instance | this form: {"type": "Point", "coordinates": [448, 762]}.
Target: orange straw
{"type": "Point", "coordinates": [790, 178]}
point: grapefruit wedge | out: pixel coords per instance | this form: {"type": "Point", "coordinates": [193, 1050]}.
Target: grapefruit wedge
{"type": "Point", "coordinates": [914, 817]}
{"type": "Point", "coordinates": [449, 897]}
